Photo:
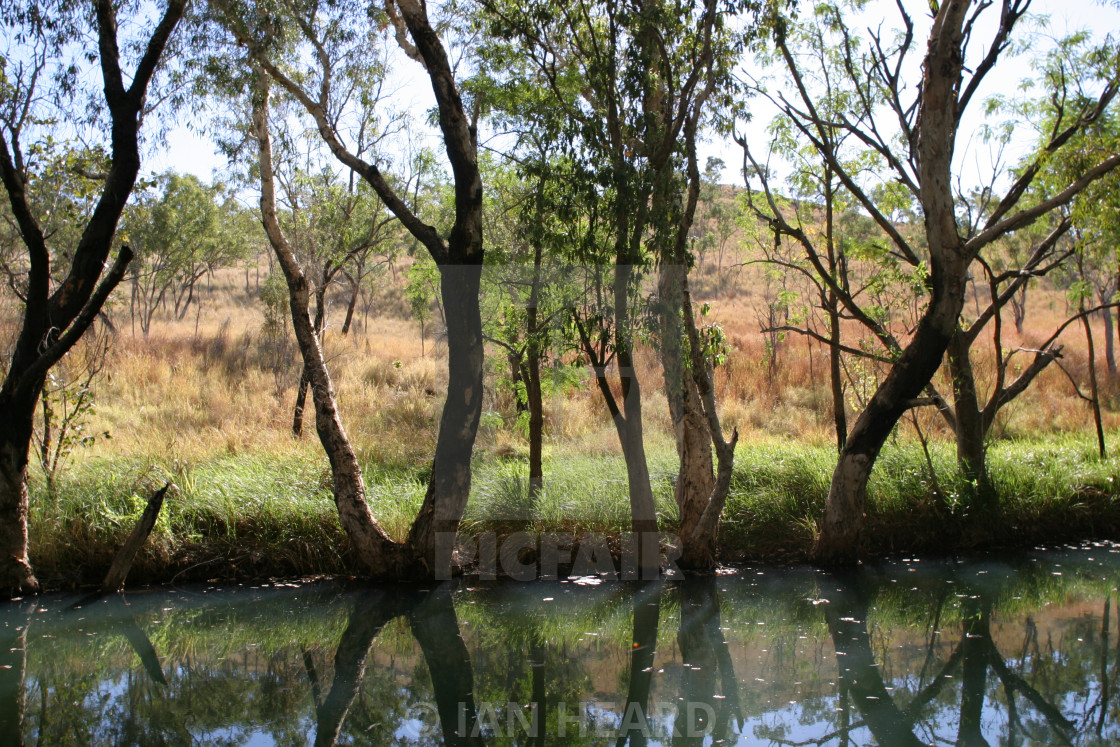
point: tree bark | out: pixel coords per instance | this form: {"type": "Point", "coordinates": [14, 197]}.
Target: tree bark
{"type": "Point", "coordinates": [968, 417]}
{"type": "Point", "coordinates": [696, 474]}
{"type": "Point", "coordinates": [16, 576]}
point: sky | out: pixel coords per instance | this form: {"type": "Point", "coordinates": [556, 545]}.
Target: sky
{"type": "Point", "coordinates": [185, 150]}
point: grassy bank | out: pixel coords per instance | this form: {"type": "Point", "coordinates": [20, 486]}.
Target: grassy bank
{"type": "Point", "coordinates": [270, 513]}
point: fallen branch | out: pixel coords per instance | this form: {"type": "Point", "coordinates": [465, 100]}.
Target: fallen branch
{"type": "Point", "coordinates": [114, 579]}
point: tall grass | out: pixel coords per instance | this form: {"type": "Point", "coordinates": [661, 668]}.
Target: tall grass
{"type": "Point", "coordinates": [266, 514]}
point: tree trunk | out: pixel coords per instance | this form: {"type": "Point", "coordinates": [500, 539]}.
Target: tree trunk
{"type": "Point", "coordinates": [700, 511]}
{"type": "Point", "coordinates": [1094, 389]}
{"type": "Point", "coordinates": [517, 380]}
{"type": "Point", "coordinates": [122, 563]}
{"type": "Point", "coordinates": [533, 392]}
{"type": "Point", "coordinates": [459, 257]}
{"type": "Point", "coordinates": [353, 303]}
{"type": "Point", "coordinates": [374, 548]}
{"type": "Point", "coordinates": [841, 530]}
{"type": "Point", "coordinates": [305, 377]}
{"type": "Point", "coordinates": [1109, 342]}
{"type": "Point", "coordinates": [450, 483]}
{"type": "Point", "coordinates": [969, 421]}
{"type": "Point", "coordinates": [301, 403]}
{"type": "Point", "coordinates": [832, 305]}
{"type": "Point", "coordinates": [16, 577]}
{"type": "Point", "coordinates": [696, 475]}
{"type": "Point", "coordinates": [835, 373]}
{"type": "Point", "coordinates": [1019, 309]}
{"type": "Point", "coordinates": [643, 514]}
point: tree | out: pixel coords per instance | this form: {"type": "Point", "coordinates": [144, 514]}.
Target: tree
{"type": "Point", "coordinates": [623, 87]}
{"type": "Point", "coordinates": [335, 40]}
{"type": "Point", "coordinates": [55, 318]}
{"type": "Point", "coordinates": [377, 551]}
{"type": "Point", "coordinates": [528, 289]}
{"type": "Point", "coordinates": [180, 229]}
{"type": "Point", "coordinates": [1068, 74]}
{"type": "Point", "coordinates": [916, 140]}
{"type": "Point", "coordinates": [335, 225]}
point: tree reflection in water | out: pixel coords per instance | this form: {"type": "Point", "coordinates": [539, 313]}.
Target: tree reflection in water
{"type": "Point", "coordinates": [635, 726]}
{"type": "Point", "coordinates": [14, 621]}
{"type": "Point", "coordinates": [431, 617]}
{"type": "Point", "coordinates": [705, 660]}
{"type": "Point", "coordinates": [941, 653]}
{"type": "Point", "coordinates": [974, 655]}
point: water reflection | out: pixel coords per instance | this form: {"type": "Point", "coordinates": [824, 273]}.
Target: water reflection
{"type": "Point", "coordinates": [906, 653]}
{"type": "Point", "coordinates": [709, 699]}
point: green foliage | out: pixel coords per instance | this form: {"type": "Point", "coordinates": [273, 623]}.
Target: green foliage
{"type": "Point", "coordinates": [181, 229]}
{"type": "Point", "coordinates": [422, 290]}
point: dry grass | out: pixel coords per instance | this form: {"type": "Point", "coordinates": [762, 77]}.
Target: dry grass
{"type": "Point", "coordinates": [215, 383]}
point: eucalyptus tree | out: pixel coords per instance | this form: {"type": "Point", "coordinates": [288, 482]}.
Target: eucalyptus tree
{"type": "Point", "coordinates": [40, 81]}
{"type": "Point", "coordinates": [1070, 77]}
{"type": "Point", "coordinates": [285, 39]}
{"type": "Point", "coordinates": [911, 127]}
{"type": "Point", "coordinates": [180, 229]}
{"type": "Point", "coordinates": [624, 88]}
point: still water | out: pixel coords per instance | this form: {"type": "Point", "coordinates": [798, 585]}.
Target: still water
{"type": "Point", "coordinates": [1023, 650]}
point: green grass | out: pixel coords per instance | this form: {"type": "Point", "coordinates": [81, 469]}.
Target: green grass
{"type": "Point", "coordinates": [257, 515]}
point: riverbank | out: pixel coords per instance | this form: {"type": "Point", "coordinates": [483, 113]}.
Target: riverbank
{"type": "Point", "coordinates": [268, 515]}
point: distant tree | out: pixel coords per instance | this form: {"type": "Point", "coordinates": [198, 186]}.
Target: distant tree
{"type": "Point", "coordinates": [719, 215]}
{"type": "Point", "coordinates": [334, 225]}
{"type": "Point", "coordinates": [624, 88]}
{"type": "Point", "coordinates": [180, 229]}
{"type": "Point", "coordinates": [527, 292]}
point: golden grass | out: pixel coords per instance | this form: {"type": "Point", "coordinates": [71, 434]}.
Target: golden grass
{"type": "Point", "coordinates": [214, 383]}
